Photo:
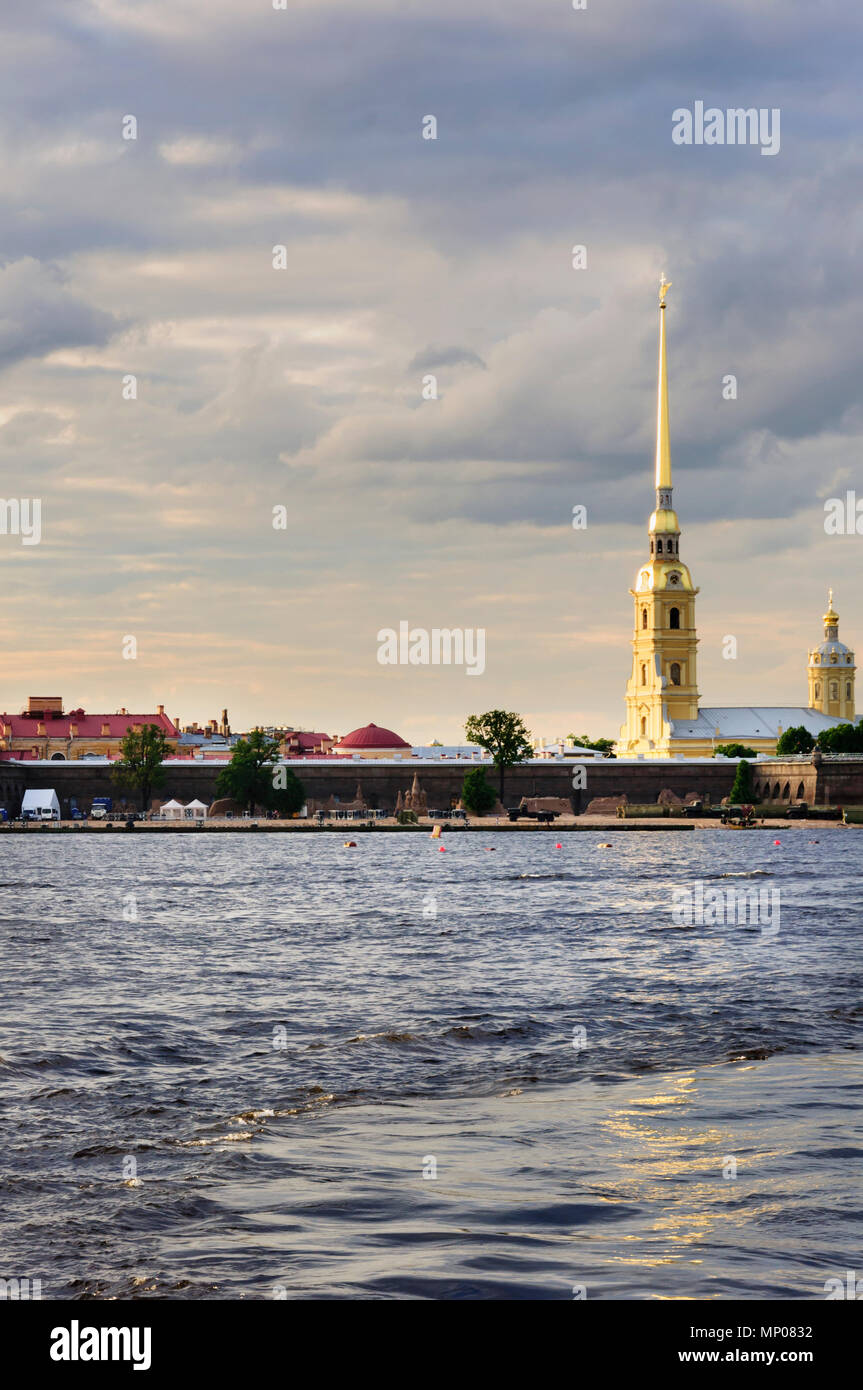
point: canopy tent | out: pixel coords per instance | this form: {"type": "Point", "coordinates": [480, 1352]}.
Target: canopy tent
{"type": "Point", "coordinates": [35, 802]}
{"type": "Point", "coordinates": [195, 810]}
{"type": "Point", "coordinates": [171, 810]}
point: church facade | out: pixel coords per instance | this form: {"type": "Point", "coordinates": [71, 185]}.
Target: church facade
{"type": "Point", "coordinates": [664, 718]}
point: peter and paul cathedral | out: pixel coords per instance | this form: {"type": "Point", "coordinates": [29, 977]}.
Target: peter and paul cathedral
{"type": "Point", "coordinates": [663, 715]}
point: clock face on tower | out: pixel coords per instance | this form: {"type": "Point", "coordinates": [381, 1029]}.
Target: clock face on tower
{"type": "Point", "coordinates": [674, 579]}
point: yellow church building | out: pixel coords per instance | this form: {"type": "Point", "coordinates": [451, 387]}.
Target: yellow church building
{"type": "Point", "coordinates": [663, 716]}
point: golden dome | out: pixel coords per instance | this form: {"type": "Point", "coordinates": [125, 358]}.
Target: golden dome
{"type": "Point", "coordinates": [665, 520]}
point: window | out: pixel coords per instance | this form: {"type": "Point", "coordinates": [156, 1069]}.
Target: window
{"type": "Point", "coordinates": [834, 691]}
{"type": "Point", "coordinates": [659, 547]}
{"type": "Point", "coordinates": [786, 791]}
{"type": "Point", "coordinates": [675, 673]}
{"type": "Point", "coordinates": [801, 794]}
{"type": "Point", "coordinates": [644, 675]}
{"type": "Point", "coordinates": [817, 692]}
{"type": "Point", "coordinates": [847, 690]}
{"type": "Point", "coordinates": [643, 728]}
{"type": "Point", "coordinates": [674, 617]}
{"type": "Point", "coordinates": [644, 617]}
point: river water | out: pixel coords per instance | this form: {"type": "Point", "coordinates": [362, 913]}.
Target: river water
{"type": "Point", "coordinates": [239, 1066]}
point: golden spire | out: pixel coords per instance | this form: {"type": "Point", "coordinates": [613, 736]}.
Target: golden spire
{"type": "Point", "coordinates": [831, 618]}
{"type": "Point", "coordinates": [663, 451]}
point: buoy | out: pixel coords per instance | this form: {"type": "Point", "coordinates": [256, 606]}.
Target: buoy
{"type": "Point", "coordinates": [606, 844]}
{"type": "Point", "coordinates": [349, 844]}
{"type": "Point", "coordinates": [558, 845]}
{"type": "Point", "coordinates": [489, 849]}
{"type": "Point", "coordinates": [436, 833]}
{"type": "Point", "coordinates": [777, 842]}
{"type": "Point", "coordinates": [442, 849]}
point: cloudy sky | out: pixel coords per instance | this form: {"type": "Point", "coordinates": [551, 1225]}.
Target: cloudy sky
{"type": "Point", "coordinates": [303, 387]}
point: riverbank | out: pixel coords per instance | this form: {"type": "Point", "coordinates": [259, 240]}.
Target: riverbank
{"type": "Point", "coordinates": [566, 825]}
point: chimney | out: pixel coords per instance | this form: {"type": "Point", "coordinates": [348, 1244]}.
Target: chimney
{"type": "Point", "coordinates": [226, 728]}
{"type": "Point", "coordinates": [160, 709]}
{"type": "Point", "coordinates": [106, 729]}
{"type": "Point", "coordinates": [73, 730]}
{"type": "Point", "coordinates": [40, 727]}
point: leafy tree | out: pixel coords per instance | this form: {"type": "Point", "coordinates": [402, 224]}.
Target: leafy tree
{"type": "Point", "coordinates": [248, 778]}
{"type": "Point", "coordinates": [601, 745]}
{"type": "Point", "coordinates": [842, 738]}
{"type": "Point", "coordinates": [476, 794]}
{"type": "Point", "coordinates": [734, 750]}
{"type": "Point", "coordinates": [142, 752]}
{"type": "Point", "coordinates": [503, 735]}
{"type": "Point", "coordinates": [742, 792]}
{"type": "Point", "coordinates": [797, 739]}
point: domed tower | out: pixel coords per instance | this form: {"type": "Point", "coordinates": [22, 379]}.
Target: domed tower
{"type": "Point", "coordinates": [831, 671]}
{"type": "Point", "coordinates": [662, 686]}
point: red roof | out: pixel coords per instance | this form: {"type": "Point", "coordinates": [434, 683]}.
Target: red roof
{"type": "Point", "coordinates": [373, 737]}
{"type": "Point", "coordinates": [88, 725]}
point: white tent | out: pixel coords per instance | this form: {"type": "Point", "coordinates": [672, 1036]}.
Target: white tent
{"type": "Point", "coordinates": [171, 810]}
{"type": "Point", "coordinates": [37, 802]}
{"type": "Point", "coordinates": [196, 810]}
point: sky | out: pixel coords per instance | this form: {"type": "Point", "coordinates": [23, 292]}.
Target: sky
{"type": "Point", "coordinates": [302, 388]}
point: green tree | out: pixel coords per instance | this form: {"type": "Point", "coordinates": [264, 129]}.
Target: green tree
{"type": "Point", "coordinates": [142, 752]}
{"type": "Point", "coordinates": [248, 778]}
{"type": "Point", "coordinates": [734, 750]}
{"type": "Point", "coordinates": [797, 739]}
{"type": "Point", "coordinates": [502, 734]}
{"type": "Point", "coordinates": [742, 792]}
{"type": "Point", "coordinates": [601, 745]}
{"type": "Point", "coordinates": [842, 738]}
{"type": "Point", "coordinates": [476, 794]}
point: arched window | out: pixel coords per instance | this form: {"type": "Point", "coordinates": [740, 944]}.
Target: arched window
{"type": "Point", "coordinates": [801, 794]}
{"type": "Point", "coordinates": [776, 792]}
{"type": "Point", "coordinates": [644, 675]}
{"type": "Point", "coordinates": [674, 617]}
{"type": "Point", "coordinates": [659, 547]}
{"type": "Point", "coordinates": [675, 673]}
{"type": "Point", "coordinates": [786, 791]}
{"type": "Point", "coordinates": [834, 691]}
{"type": "Point", "coordinates": [651, 547]}
{"type": "Point", "coordinates": [644, 617]}
{"type": "Point", "coordinates": [643, 728]}
{"type": "Point", "coordinates": [847, 690]}
{"type": "Point", "coordinates": [817, 692]}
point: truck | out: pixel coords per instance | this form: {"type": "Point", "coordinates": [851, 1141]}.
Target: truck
{"type": "Point", "coordinates": [101, 807]}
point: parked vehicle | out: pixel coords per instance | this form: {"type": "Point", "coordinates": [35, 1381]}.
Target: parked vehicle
{"type": "Point", "coordinates": [101, 807]}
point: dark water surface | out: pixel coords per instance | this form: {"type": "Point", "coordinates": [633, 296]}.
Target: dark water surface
{"type": "Point", "coordinates": [237, 1092]}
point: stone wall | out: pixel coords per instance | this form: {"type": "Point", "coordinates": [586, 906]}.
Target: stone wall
{"type": "Point", "coordinates": [381, 784]}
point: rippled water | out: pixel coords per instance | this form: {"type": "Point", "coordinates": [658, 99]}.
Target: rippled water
{"type": "Point", "coordinates": [237, 1092]}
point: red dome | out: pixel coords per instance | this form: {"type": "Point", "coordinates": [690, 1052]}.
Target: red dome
{"type": "Point", "coordinates": [372, 737]}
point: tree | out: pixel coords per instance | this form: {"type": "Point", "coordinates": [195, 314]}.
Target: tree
{"type": "Point", "coordinates": [842, 738]}
{"type": "Point", "coordinates": [503, 735]}
{"type": "Point", "coordinates": [734, 750]}
{"type": "Point", "coordinates": [742, 792]}
{"type": "Point", "coordinates": [476, 794]}
{"type": "Point", "coordinates": [601, 745]}
{"type": "Point", "coordinates": [142, 752]}
{"type": "Point", "coordinates": [248, 778]}
{"type": "Point", "coordinates": [795, 740]}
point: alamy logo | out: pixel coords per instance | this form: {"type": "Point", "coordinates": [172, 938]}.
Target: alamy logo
{"type": "Point", "coordinates": [77, 1343]}
{"type": "Point", "coordinates": [734, 126]}
{"type": "Point", "coordinates": [843, 516]}
{"type": "Point", "coordinates": [443, 646]}
{"type": "Point", "coordinates": [727, 907]}
{"type": "Point", "coordinates": [21, 517]}
{"type": "Point", "coordinates": [21, 1288]}
{"type": "Point", "coordinates": [852, 1288]}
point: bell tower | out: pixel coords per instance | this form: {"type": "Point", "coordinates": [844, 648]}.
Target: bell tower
{"type": "Point", "coordinates": [662, 686]}
{"type": "Point", "coordinates": [831, 671]}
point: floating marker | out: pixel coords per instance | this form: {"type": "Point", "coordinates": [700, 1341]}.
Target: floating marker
{"type": "Point", "coordinates": [442, 849]}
